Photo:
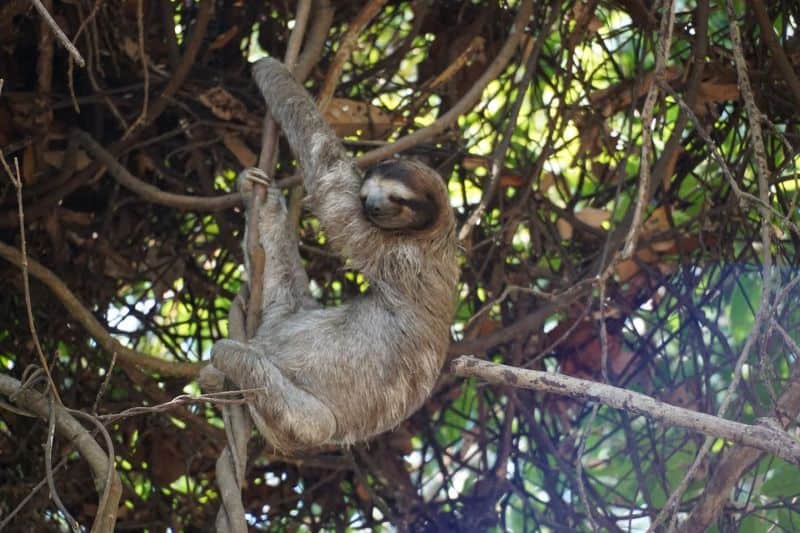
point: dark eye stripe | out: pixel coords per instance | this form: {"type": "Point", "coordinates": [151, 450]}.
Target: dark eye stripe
{"type": "Point", "coordinates": [413, 204]}
{"type": "Point", "coordinates": [424, 212]}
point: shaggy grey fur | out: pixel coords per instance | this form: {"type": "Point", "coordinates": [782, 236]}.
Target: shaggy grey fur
{"type": "Point", "coordinates": [342, 374]}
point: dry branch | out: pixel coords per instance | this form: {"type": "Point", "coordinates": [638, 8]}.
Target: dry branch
{"type": "Point", "coordinates": [645, 181]}
{"type": "Point", "coordinates": [315, 40]}
{"type": "Point", "coordinates": [761, 437]}
{"type": "Point", "coordinates": [778, 53]}
{"type": "Point", "coordinates": [193, 45]}
{"type": "Point", "coordinates": [346, 47]}
{"type": "Point", "coordinates": [74, 432]}
{"type": "Point", "coordinates": [738, 460]}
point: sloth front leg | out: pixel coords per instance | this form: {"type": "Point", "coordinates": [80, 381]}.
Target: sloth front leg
{"type": "Point", "coordinates": [291, 418]}
{"type": "Point", "coordinates": [285, 281]}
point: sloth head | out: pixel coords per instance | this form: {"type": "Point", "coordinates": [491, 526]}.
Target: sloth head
{"type": "Point", "coordinates": [403, 194]}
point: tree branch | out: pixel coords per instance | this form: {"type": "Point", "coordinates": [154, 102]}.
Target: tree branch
{"type": "Point", "coordinates": [197, 38]}
{"type": "Point", "coordinates": [768, 36]}
{"type": "Point", "coordinates": [761, 437]}
{"type": "Point", "coordinates": [346, 47]}
{"type": "Point", "coordinates": [62, 38]}
{"type": "Point", "coordinates": [74, 432]}
{"type": "Point", "coordinates": [736, 461]}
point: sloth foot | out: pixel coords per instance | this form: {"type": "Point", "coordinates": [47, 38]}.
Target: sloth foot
{"type": "Point", "coordinates": [211, 380]}
{"type": "Point", "coordinates": [239, 362]}
{"type": "Point", "coordinates": [249, 176]}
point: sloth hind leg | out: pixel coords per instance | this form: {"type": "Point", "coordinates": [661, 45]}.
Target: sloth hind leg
{"type": "Point", "coordinates": [286, 415]}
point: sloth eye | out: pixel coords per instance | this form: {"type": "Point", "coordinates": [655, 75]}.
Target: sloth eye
{"type": "Point", "coordinates": [395, 199]}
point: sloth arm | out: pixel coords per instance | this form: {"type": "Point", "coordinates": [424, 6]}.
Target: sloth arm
{"type": "Point", "coordinates": [331, 177]}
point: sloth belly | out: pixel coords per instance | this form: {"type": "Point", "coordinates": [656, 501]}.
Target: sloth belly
{"type": "Point", "coordinates": [371, 367]}
{"type": "Point", "coordinates": [370, 381]}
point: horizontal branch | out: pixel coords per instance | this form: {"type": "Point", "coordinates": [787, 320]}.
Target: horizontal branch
{"type": "Point", "coordinates": [82, 314]}
{"type": "Point", "coordinates": [762, 437]}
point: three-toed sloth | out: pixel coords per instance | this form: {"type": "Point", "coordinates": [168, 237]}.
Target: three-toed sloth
{"type": "Point", "coordinates": [342, 374]}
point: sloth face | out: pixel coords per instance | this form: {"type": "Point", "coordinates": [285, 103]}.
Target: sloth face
{"type": "Point", "coordinates": [397, 194]}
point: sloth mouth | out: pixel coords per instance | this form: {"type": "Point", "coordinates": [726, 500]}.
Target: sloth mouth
{"type": "Point", "coordinates": [397, 219]}
{"type": "Point", "coordinates": [390, 221]}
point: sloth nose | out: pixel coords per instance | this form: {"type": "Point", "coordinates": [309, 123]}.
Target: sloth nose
{"type": "Point", "coordinates": [372, 206]}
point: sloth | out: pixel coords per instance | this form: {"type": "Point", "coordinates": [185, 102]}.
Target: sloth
{"type": "Point", "coordinates": [315, 376]}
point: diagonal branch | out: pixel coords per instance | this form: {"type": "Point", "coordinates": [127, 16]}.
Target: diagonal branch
{"type": "Point", "coordinates": [102, 469]}
{"type": "Point", "coordinates": [466, 103]}
{"type": "Point", "coordinates": [149, 192]}
{"type": "Point", "coordinates": [346, 47]}
{"type": "Point", "coordinates": [81, 313]}
{"type": "Point", "coordinates": [62, 38]}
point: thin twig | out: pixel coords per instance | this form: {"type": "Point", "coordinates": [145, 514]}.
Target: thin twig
{"type": "Point", "coordinates": [227, 397]}
{"type": "Point", "coordinates": [16, 179]}
{"type": "Point", "coordinates": [104, 385]}
{"type": "Point", "coordinates": [664, 45]}
{"type": "Point", "coordinates": [59, 34]}
{"type": "Point", "coordinates": [48, 465]}
{"type": "Point", "coordinates": [587, 426]}
{"type": "Point", "coordinates": [145, 70]}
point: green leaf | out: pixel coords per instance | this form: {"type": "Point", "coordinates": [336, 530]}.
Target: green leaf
{"type": "Point", "coordinates": [782, 481]}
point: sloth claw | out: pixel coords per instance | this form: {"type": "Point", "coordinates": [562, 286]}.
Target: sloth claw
{"type": "Point", "coordinates": [250, 176]}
